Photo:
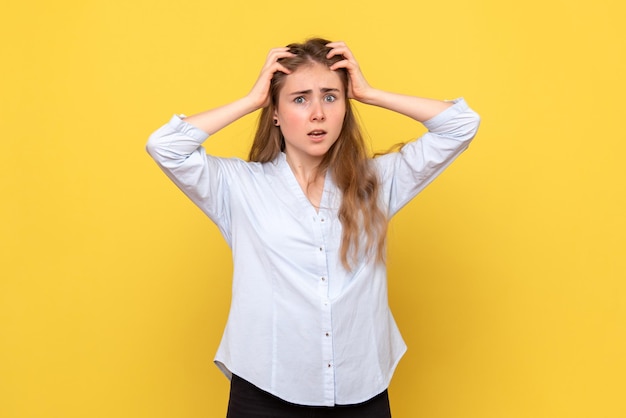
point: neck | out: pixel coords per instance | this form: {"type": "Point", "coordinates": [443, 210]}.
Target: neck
{"type": "Point", "coordinates": [310, 180]}
{"type": "Point", "coordinates": [306, 171]}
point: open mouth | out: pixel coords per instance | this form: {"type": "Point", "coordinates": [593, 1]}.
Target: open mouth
{"type": "Point", "coordinates": [318, 133]}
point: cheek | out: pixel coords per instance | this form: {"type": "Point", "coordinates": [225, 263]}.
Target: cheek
{"type": "Point", "coordinates": [339, 116]}
{"type": "Point", "coordinates": [291, 118]}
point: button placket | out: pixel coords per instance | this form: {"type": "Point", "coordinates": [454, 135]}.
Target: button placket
{"type": "Point", "coordinates": [326, 340]}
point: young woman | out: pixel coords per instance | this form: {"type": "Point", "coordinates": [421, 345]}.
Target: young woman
{"type": "Point", "coordinates": [309, 332]}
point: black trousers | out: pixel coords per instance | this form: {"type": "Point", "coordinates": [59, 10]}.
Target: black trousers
{"type": "Point", "coordinates": [248, 401]}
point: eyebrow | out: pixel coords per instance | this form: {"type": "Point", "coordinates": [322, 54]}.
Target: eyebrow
{"type": "Point", "coordinates": [323, 90]}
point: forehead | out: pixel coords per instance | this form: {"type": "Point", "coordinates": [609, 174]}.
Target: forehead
{"type": "Point", "coordinates": [312, 77]}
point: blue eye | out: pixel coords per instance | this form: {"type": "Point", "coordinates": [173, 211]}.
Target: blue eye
{"type": "Point", "coordinates": [330, 98]}
{"type": "Point", "coordinates": [299, 100]}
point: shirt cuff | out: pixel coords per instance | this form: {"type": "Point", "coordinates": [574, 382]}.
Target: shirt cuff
{"type": "Point", "coordinates": [185, 128]}
{"type": "Point", "coordinates": [457, 108]}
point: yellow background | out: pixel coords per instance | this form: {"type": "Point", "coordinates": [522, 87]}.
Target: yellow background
{"type": "Point", "coordinates": [507, 275]}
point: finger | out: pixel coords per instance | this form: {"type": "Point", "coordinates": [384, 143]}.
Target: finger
{"type": "Point", "coordinates": [347, 64]}
{"type": "Point", "coordinates": [277, 50]}
{"type": "Point", "coordinates": [271, 68]}
{"type": "Point", "coordinates": [336, 44]}
{"type": "Point", "coordinates": [345, 54]}
{"type": "Point", "coordinates": [339, 48]}
{"type": "Point", "coordinates": [340, 51]}
{"type": "Point", "coordinates": [282, 68]}
{"type": "Point", "coordinates": [272, 63]}
{"type": "Point", "coordinates": [278, 53]}
{"type": "Point", "coordinates": [275, 58]}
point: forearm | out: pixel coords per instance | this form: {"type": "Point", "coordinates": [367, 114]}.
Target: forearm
{"type": "Point", "coordinates": [418, 108]}
{"type": "Point", "coordinates": [213, 120]}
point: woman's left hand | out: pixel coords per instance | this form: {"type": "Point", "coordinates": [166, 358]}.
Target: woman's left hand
{"type": "Point", "coordinates": [358, 87]}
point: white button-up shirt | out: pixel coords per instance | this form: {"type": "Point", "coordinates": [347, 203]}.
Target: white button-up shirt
{"type": "Point", "coordinates": [300, 325]}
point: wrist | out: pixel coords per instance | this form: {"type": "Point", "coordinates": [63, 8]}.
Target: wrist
{"type": "Point", "coordinates": [249, 104]}
{"type": "Point", "coordinates": [371, 96]}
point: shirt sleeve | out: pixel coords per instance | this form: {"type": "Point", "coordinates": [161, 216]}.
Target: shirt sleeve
{"type": "Point", "coordinates": [406, 173]}
{"type": "Point", "coordinates": [177, 149]}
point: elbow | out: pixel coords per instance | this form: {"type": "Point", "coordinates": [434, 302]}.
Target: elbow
{"type": "Point", "coordinates": [152, 146]}
{"type": "Point", "coordinates": [157, 144]}
{"type": "Point", "coordinates": [475, 123]}
{"type": "Point", "coordinates": [469, 126]}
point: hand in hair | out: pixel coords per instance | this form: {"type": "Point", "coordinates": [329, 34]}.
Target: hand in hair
{"type": "Point", "coordinates": [358, 88]}
{"type": "Point", "coordinates": [418, 108]}
{"type": "Point", "coordinates": [259, 95]}
{"type": "Point", "coordinates": [213, 120]}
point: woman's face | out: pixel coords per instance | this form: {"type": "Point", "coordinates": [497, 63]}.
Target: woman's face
{"type": "Point", "coordinates": [310, 112]}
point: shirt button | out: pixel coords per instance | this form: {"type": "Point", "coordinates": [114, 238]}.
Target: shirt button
{"type": "Point", "coordinates": [323, 279]}
{"type": "Point", "coordinates": [322, 220]}
{"type": "Point", "coordinates": [321, 248]}
{"type": "Point", "coordinates": [327, 334]}
{"type": "Point", "coordinates": [329, 365]}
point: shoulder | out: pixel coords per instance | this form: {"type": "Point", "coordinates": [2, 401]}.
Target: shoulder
{"type": "Point", "coordinates": [383, 163]}
{"type": "Point", "coordinates": [238, 167]}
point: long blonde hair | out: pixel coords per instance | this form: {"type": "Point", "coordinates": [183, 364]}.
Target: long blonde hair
{"type": "Point", "coordinates": [347, 160]}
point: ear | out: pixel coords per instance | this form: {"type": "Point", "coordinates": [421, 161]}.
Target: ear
{"type": "Point", "coordinates": [275, 118]}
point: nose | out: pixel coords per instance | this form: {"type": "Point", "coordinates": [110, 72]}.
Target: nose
{"type": "Point", "coordinates": [317, 112]}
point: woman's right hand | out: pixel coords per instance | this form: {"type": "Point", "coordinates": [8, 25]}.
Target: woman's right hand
{"type": "Point", "coordinates": [259, 95]}
{"type": "Point", "coordinates": [215, 119]}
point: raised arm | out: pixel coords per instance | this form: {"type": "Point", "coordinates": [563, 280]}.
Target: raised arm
{"type": "Point", "coordinates": [213, 120]}
{"type": "Point", "coordinates": [418, 108]}
{"type": "Point", "coordinates": [451, 126]}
